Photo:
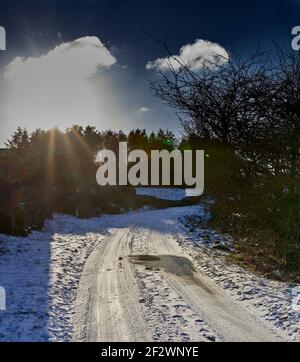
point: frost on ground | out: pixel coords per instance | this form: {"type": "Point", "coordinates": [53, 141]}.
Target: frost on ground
{"type": "Point", "coordinates": [41, 273]}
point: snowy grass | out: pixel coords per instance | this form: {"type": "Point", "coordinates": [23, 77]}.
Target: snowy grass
{"type": "Point", "coordinates": [271, 300]}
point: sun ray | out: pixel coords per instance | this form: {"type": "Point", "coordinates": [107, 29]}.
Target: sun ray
{"type": "Point", "coordinates": [50, 157]}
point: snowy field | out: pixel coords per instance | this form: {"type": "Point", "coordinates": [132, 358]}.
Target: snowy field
{"type": "Point", "coordinates": [41, 273]}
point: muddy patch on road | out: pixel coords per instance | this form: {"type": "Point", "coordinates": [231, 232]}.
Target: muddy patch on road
{"type": "Point", "coordinates": [172, 264]}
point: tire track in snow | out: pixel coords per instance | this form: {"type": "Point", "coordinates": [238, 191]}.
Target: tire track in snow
{"type": "Point", "coordinates": [140, 301]}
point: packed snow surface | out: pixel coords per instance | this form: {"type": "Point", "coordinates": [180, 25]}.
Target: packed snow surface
{"type": "Point", "coordinates": [46, 298]}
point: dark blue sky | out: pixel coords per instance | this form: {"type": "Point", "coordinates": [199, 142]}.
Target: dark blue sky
{"type": "Point", "coordinates": [34, 27]}
{"type": "Point", "coordinates": [239, 25]}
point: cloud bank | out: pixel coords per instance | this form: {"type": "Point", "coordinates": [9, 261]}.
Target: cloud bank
{"type": "Point", "coordinates": [201, 53]}
{"type": "Point", "coordinates": [78, 58]}
{"type": "Point", "coordinates": [56, 88]}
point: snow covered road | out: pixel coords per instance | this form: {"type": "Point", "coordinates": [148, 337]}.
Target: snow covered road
{"type": "Point", "coordinates": [146, 275]}
{"type": "Point", "coordinates": [139, 285]}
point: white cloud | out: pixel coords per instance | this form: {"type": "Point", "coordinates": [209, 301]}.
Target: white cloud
{"type": "Point", "coordinates": [56, 88]}
{"type": "Point", "coordinates": [202, 53]}
{"type": "Point", "coordinates": [78, 58]}
{"type": "Point", "coordinates": [143, 109]}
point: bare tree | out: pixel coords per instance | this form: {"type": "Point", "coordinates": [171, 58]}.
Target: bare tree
{"type": "Point", "coordinates": [217, 102]}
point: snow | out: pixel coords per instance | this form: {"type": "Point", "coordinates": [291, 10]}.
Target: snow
{"type": "Point", "coordinates": [163, 193]}
{"type": "Point", "coordinates": [271, 300]}
{"type": "Point", "coordinates": [41, 273]}
{"type": "Point", "coordinates": [166, 312]}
